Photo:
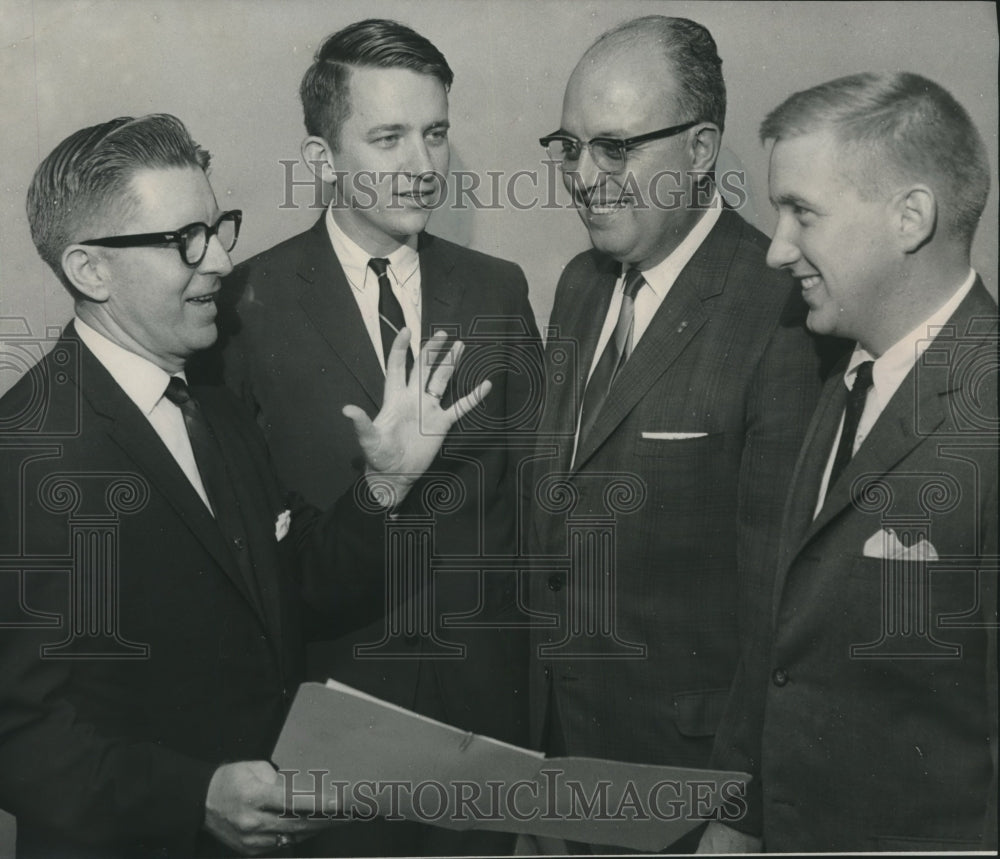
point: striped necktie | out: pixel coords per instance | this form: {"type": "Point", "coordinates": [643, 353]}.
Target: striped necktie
{"type": "Point", "coordinates": [616, 353]}
{"type": "Point", "coordinates": [390, 312]}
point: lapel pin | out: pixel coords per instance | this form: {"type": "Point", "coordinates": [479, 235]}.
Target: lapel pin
{"type": "Point", "coordinates": [682, 326]}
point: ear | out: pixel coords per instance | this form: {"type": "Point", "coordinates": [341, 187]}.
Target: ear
{"type": "Point", "coordinates": [706, 141]}
{"type": "Point", "coordinates": [318, 155]}
{"type": "Point", "coordinates": [916, 209]}
{"type": "Point", "coordinates": [85, 269]}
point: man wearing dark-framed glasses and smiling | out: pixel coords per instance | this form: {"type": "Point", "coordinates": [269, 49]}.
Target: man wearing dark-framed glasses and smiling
{"type": "Point", "coordinates": [696, 376]}
{"type": "Point", "coordinates": [159, 646]}
{"type": "Point", "coordinates": [609, 153]}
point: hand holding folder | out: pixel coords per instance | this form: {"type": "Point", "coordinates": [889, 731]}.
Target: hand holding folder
{"type": "Point", "coordinates": [375, 758]}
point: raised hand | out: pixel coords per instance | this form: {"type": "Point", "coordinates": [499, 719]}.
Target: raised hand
{"type": "Point", "coordinates": [410, 427]}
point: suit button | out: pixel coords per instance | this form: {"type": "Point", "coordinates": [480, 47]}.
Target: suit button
{"type": "Point", "coordinates": [555, 582]}
{"type": "Point", "coordinates": [780, 677]}
{"type": "Point", "coordinates": [238, 543]}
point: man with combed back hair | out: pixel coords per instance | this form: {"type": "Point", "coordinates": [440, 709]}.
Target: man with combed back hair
{"type": "Point", "coordinates": [156, 576]}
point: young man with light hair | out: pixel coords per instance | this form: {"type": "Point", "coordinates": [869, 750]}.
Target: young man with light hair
{"type": "Point", "coordinates": [867, 709]}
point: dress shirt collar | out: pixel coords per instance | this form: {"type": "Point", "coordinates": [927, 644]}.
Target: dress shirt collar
{"type": "Point", "coordinates": [142, 381]}
{"type": "Point", "coordinates": [403, 261]}
{"type": "Point", "coordinates": [891, 367]}
{"type": "Point", "coordinates": [662, 276]}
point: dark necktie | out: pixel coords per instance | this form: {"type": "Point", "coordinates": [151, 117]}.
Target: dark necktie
{"type": "Point", "coordinates": [614, 356]}
{"type": "Point", "coordinates": [852, 417]}
{"type": "Point", "coordinates": [218, 486]}
{"type": "Point", "coordinates": [390, 312]}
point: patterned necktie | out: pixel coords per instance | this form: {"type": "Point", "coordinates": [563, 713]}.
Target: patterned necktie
{"type": "Point", "coordinates": [615, 354]}
{"type": "Point", "coordinates": [218, 486]}
{"type": "Point", "coordinates": [852, 417]}
{"type": "Point", "coordinates": [390, 312]}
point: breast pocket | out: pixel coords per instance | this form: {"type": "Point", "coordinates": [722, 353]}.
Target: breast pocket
{"type": "Point", "coordinates": [683, 466]}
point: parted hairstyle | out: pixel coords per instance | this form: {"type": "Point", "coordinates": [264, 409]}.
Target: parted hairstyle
{"type": "Point", "coordinates": [896, 127]}
{"type": "Point", "coordinates": [372, 43]}
{"type": "Point", "coordinates": [85, 180]}
{"type": "Point", "coordinates": [693, 56]}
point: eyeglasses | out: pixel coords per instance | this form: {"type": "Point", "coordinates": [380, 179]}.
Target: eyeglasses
{"type": "Point", "coordinates": [609, 153]}
{"type": "Point", "coordinates": [192, 240]}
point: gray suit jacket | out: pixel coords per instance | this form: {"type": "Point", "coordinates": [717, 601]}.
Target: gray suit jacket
{"type": "Point", "coordinates": [867, 709]}
{"type": "Point", "coordinates": [640, 659]}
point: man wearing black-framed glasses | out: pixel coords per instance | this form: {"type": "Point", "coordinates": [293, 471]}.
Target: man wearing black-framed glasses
{"type": "Point", "coordinates": [696, 378]}
{"type": "Point", "coordinates": [160, 569]}
{"type": "Point", "coordinates": [610, 154]}
{"type": "Point", "coordinates": [190, 240]}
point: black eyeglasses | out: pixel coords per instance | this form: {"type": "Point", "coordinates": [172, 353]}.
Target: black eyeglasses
{"type": "Point", "coordinates": [609, 153]}
{"type": "Point", "coordinates": [192, 240]}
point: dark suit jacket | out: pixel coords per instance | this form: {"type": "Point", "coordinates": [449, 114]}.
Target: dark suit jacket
{"type": "Point", "coordinates": [298, 351]}
{"type": "Point", "coordinates": [725, 357]}
{"type": "Point", "coordinates": [868, 709]}
{"type": "Point", "coordinates": [113, 753]}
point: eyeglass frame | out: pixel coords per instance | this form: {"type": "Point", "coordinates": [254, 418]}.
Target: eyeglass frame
{"type": "Point", "coordinates": [622, 144]}
{"type": "Point", "coordinates": [138, 240]}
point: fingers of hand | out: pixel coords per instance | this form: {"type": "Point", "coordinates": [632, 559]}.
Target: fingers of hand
{"type": "Point", "coordinates": [437, 381]}
{"type": "Point", "coordinates": [271, 810]}
{"type": "Point", "coordinates": [362, 423]}
{"type": "Point", "coordinates": [268, 825]}
{"type": "Point", "coordinates": [395, 367]}
{"type": "Point", "coordinates": [429, 356]}
{"type": "Point", "coordinates": [465, 405]}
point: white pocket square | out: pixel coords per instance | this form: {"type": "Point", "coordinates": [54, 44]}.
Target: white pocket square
{"type": "Point", "coordinates": [673, 436]}
{"type": "Point", "coordinates": [885, 544]}
{"type": "Point", "coordinates": [282, 524]}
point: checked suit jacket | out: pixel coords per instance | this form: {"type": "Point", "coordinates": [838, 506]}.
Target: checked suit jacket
{"type": "Point", "coordinates": [688, 461]}
{"type": "Point", "coordinates": [867, 710]}
{"type": "Point", "coordinates": [298, 351]}
{"type": "Point", "coordinates": [167, 663]}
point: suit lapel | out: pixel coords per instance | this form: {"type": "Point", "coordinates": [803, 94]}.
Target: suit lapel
{"type": "Point", "coordinates": [256, 511]}
{"type": "Point", "coordinates": [583, 322]}
{"type": "Point", "coordinates": [588, 317]}
{"type": "Point", "coordinates": [326, 298]}
{"type": "Point", "coordinates": [440, 290]}
{"type": "Point", "coordinates": [674, 326]}
{"type": "Point", "coordinates": [128, 428]}
{"type": "Point", "coordinates": [917, 409]}
{"type": "Point", "coordinates": [808, 473]}
{"type": "Point", "coordinates": [676, 323]}
{"type": "Point", "coordinates": [891, 439]}
{"type": "Point", "coordinates": [920, 398]}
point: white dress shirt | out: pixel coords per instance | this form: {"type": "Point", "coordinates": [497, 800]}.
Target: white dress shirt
{"type": "Point", "coordinates": [145, 384]}
{"type": "Point", "coordinates": [888, 372]}
{"type": "Point", "coordinates": [404, 275]}
{"type": "Point", "coordinates": [659, 281]}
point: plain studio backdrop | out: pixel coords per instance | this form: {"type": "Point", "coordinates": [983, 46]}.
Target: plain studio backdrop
{"type": "Point", "coordinates": [230, 69]}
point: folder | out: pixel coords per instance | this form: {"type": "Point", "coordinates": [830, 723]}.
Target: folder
{"type": "Point", "coordinates": [378, 759]}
